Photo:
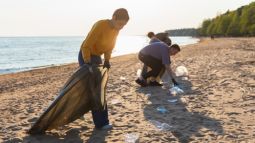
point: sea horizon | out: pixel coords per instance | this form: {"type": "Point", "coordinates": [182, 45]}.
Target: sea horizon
{"type": "Point", "coordinates": [23, 53]}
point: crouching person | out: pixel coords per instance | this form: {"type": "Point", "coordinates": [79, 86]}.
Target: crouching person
{"type": "Point", "coordinates": [157, 56]}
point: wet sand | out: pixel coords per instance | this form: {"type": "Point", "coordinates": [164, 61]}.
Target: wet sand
{"type": "Point", "coordinates": [218, 103]}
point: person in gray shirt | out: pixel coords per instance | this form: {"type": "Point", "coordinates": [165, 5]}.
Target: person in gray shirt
{"type": "Point", "coordinates": [159, 37]}
{"type": "Point", "coordinates": [157, 56]}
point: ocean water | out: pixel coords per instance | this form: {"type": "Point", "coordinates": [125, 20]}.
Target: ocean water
{"type": "Point", "coordinates": [26, 53]}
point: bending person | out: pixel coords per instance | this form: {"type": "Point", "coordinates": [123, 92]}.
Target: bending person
{"type": "Point", "coordinates": [100, 41]}
{"type": "Point", "coordinates": [159, 37]}
{"type": "Point", "coordinates": [157, 56]}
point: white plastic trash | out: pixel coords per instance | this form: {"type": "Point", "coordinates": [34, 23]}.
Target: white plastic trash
{"type": "Point", "coordinates": [165, 127]}
{"type": "Point", "coordinates": [185, 78]}
{"type": "Point", "coordinates": [161, 126]}
{"type": "Point", "coordinates": [162, 109]}
{"type": "Point", "coordinates": [148, 95]}
{"type": "Point", "coordinates": [138, 73]}
{"type": "Point", "coordinates": [175, 90]}
{"type": "Point", "coordinates": [165, 78]}
{"type": "Point", "coordinates": [115, 101]}
{"type": "Point", "coordinates": [172, 100]}
{"type": "Point", "coordinates": [181, 71]}
{"type": "Point", "coordinates": [122, 78]}
{"type": "Point", "coordinates": [131, 138]}
{"type": "Point", "coordinates": [156, 123]}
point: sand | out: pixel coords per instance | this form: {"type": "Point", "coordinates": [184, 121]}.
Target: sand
{"type": "Point", "coordinates": [218, 103]}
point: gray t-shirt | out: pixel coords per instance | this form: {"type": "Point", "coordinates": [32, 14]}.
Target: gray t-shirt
{"type": "Point", "coordinates": [158, 50]}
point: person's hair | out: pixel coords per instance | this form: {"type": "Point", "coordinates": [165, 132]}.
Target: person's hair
{"type": "Point", "coordinates": [121, 14]}
{"type": "Point", "coordinates": [175, 46]}
{"type": "Point", "coordinates": [150, 34]}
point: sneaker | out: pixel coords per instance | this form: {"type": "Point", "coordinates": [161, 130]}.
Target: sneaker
{"type": "Point", "coordinates": [155, 83]}
{"type": "Point", "coordinates": [141, 82]}
{"type": "Point", "coordinates": [106, 127]}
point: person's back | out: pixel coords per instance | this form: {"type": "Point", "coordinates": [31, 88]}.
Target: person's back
{"type": "Point", "coordinates": [158, 50]}
{"type": "Point", "coordinates": [157, 57]}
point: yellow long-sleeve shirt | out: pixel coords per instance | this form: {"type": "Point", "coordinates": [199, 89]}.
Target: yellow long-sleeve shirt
{"type": "Point", "coordinates": [100, 40]}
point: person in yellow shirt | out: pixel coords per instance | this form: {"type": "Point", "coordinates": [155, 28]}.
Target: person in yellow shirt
{"type": "Point", "coordinates": [100, 41]}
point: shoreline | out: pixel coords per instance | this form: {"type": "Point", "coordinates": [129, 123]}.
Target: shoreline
{"type": "Point", "coordinates": [217, 104]}
{"type": "Point", "coordinates": [57, 65]}
{"type": "Point", "coordinates": [36, 66]}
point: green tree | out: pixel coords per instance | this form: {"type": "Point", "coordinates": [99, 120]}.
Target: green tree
{"type": "Point", "coordinates": [252, 30]}
{"type": "Point", "coordinates": [223, 24]}
{"type": "Point", "coordinates": [203, 29]}
{"type": "Point", "coordinates": [240, 22]}
{"type": "Point", "coordinates": [234, 28]}
{"type": "Point", "coordinates": [211, 28]}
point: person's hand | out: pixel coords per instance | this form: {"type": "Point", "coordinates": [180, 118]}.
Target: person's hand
{"type": "Point", "coordinates": [106, 64]}
{"type": "Point", "coordinates": [175, 82]}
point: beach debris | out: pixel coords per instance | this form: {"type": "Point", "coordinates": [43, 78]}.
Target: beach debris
{"type": "Point", "coordinates": [162, 109]}
{"type": "Point", "coordinates": [161, 126]}
{"type": "Point", "coordinates": [131, 138]}
{"type": "Point", "coordinates": [185, 78]}
{"type": "Point", "coordinates": [175, 90]}
{"type": "Point", "coordinates": [156, 123]}
{"type": "Point", "coordinates": [138, 73]}
{"type": "Point", "coordinates": [181, 71]}
{"type": "Point", "coordinates": [165, 78]}
{"type": "Point", "coordinates": [115, 101]}
{"type": "Point", "coordinates": [122, 78]}
{"type": "Point", "coordinates": [148, 95]}
{"type": "Point", "coordinates": [172, 100]}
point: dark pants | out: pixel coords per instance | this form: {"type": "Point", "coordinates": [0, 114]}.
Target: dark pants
{"type": "Point", "coordinates": [155, 65]}
{"type": "Point", "coordinates": [100, 118]}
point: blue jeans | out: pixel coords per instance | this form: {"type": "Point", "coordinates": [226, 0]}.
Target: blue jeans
{"type": "Point", "coordinates": [100, 118]}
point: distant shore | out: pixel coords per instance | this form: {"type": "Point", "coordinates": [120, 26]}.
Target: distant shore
{"type": "Point", "coordinates": [217, 106]}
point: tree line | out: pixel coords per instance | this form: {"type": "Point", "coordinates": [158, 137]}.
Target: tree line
{"type": "Point", "coordinates": [240, 22]}
{"type": "Point", "coordinates": [183, 32]}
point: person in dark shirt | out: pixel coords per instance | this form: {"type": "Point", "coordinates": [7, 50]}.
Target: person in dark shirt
{"type": "Point", "coordinates": [157, 56]}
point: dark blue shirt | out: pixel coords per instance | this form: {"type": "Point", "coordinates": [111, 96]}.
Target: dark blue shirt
{"type": "Point", "coordinates": [158, 50]}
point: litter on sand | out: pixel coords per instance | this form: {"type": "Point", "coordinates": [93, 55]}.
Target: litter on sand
{"type": "Point", "coordinates": [161, 126]}
{"type": "Point", "coordinates": [162, 109]}
{"type": "Point", "coordinates": [131, 138]}
{"type": "Point", "coordinates": [122, 78]}
{"type": "Point", "coordinates": [175, 90]}
{"type": "Point", "coordinates": [181, 71]}
{"type": "Point", "coordinates": [172, 100]}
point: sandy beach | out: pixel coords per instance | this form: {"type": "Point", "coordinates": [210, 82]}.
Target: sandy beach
{"type": "Point", "coordinates": [218, 103]}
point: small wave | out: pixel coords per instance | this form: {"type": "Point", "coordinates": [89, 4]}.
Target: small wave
{"type": "Point", "coordinates": [13, 70]}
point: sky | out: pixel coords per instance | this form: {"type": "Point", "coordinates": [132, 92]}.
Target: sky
{"type": "Point", "coordinates": [76, 17]}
